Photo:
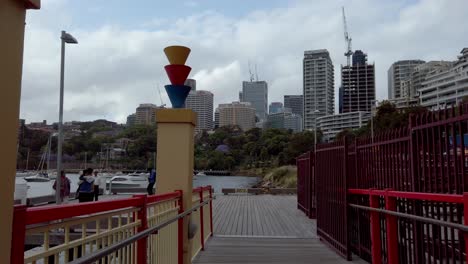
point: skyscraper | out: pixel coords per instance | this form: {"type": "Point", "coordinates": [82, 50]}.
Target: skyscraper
{"type": "Point", "coordinates": [146, 114]}
{"type": "Point", "coordinates": [398, 72]}
{"type": "Point", "coordinates": [285, 120]}
{"type": "Point", "coordinates": [275, 107]}
{"type": "Point", "coordinates": [192, 83]}
{"type": "Point", "coordinates": [319, 86]}
{"type": "Point", "coordinates": [237, 113]}
{"type": "Point", "coordinates": [295, 103]}
{"type": "Point", "coordinates": [201, 102]}
{"type": "Point", "coordinates": [358, 85]}
{"type": "Point", "coordinates": [131, 120]}
{"type": "Point", "coordinates": [256, 93]}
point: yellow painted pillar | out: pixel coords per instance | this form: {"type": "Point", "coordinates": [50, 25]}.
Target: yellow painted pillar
{"type": "Point", "coordinates": [12, 19]}
{"type": "Point", "coordinates": [175, 159]}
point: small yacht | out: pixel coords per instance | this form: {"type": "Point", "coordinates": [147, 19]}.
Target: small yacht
{"type": "Point", "coordinates": [124, 181]}
{"type": "Point", "coordinates": [38, 177]}
{"type": "Point", "coordinates": [21, 190]}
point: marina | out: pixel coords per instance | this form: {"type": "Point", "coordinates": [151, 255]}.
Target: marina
{"type": "Point", "coordinates": [39, 193]}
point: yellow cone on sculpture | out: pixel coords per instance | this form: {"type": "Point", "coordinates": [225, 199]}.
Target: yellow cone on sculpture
{"type": "Point", "coordinates": [177, 54]}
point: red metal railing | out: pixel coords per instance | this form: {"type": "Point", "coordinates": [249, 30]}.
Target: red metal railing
{"type": "Point", "coordinates": [306, 184]}
{"type": "Point", "coordinates": [429, 156]}
{"type": "Point", "coordinates": [330, 169]}
{"type": "Point", "coordinates": [393, 220]}
{"type": "Point", "coordinates": [87, 228]}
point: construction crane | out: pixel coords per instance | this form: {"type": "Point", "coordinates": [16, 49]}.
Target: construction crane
{"type": "Point", "coordinates": [163, 105]}
{"type": "Point", "coordinates": [348, 40]}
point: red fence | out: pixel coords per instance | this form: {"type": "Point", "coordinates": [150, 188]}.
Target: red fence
{"type": "Point", "coordinates": [331, 196]}
{"type": "Point", "coordinates": [393, 226]}
{"type": "Point", "coordinates": [430, 156]}
{"type": "Point", "coordinates": [306, 184]}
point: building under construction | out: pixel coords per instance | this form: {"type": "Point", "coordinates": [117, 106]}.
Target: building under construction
{"type": "Point", "coordinates": [358, 84]}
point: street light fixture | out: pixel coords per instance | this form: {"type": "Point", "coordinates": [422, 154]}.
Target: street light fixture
{"type": "Point", "coordinates": [372, 118]}
{"type": "Point", "coordinates": [65, 38]}
{"type": "Point", "coordinates": [315, 130]}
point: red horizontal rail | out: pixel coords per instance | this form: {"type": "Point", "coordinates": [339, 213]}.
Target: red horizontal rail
{"type": "Point", "coordinates": [163, 197]}
{"type": "Point", "coordinates": [42, 214]}
{"type": "Point", "coordinates": [433, 197]}
{"type": "Point", "coordinates": [200, 189]}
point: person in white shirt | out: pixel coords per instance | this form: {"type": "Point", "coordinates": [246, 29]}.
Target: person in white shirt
{"type": "Point", "coordinates": [97, 183]}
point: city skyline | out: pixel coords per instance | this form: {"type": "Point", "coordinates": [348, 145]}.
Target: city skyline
{"type": "Point", "coordinates": [116, 64]}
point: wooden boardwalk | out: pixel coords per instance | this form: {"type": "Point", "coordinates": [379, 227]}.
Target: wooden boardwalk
{"type": "Point", "coordinates": [260, 215]}
{"type": "Point", "coordinates": [263, 229]}
{"type": "Point", "coordinates": [267, 250]}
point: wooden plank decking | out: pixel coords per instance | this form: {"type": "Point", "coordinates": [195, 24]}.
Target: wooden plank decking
{"type": "Point", "coordinates": [267, 250]}
{"type": "Point", "coordinates": [263, 229]}
{"type": "Point", "coordinates": [261, 215]}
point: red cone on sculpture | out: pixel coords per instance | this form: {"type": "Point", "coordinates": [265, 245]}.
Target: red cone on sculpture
{"type": "Point", "coordinates": [177, 73]}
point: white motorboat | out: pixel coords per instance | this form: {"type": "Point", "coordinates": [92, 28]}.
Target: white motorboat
{"type": "Point", "coordinates": [201, 173]}
{"type": "Point", "coordinates": [39, 177]}
{"type": "Point", "coordinates": [21, 190]}
{"type": "Point", "coordinates": [25, 173]}
{"type": "Point", "coordinates": [123, 181]}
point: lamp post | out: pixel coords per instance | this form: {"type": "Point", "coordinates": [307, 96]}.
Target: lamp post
{"type": "Point", "coordinates": [315, 131]}
{"type": "Point", "coordinates": [65, 38]}
{"type": "Point", "coordinates": [372, 119]}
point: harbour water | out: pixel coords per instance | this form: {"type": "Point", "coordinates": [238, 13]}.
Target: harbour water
{"type": "Point", "coordinates": [217, 182]}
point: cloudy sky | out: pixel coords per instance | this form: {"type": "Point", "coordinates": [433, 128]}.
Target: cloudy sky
{"type": "Point", "coordinates": [119, 61]}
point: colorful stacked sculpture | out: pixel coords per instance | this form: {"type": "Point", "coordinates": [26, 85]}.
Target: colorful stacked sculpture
{"type": "Point", "coordinates": [177, 72]}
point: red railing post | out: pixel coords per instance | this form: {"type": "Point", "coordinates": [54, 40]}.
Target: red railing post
{"type": "Point", "coordinates": [465, 222]}
{"type": "Point", "coordinates": [19, 233]}
{"type": "Point", "coordinates": [211, 209]}
{"type": "Point", "coordinates": [180, 230]}
{"type": "Point", "coordinates": [392, 229]}
{"type": "Point", "coordinates": [142, 244]}
{"type": "Point", "coordinates": [376, 242]}
{"type": "Point", "coordinates": [202, 229]}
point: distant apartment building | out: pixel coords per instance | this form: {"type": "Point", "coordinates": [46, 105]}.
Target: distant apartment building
{"type": "Point", "coordinates": [37, 124]}
{"type": "Point", "coordinates": [446, 86]}
{"type": "Point", "coordinates": [318, 86]}
{"type": "Point", "coordinates": [410, 86]}
{"type": "Point", "coordinates": [397, 73]}
{"type": "Point", "coordinates": [357, 91]}
{"type": "Point", "coordinates": [285, 120]}
{"type": "Point", "coordinates": [295, 103]}
{"type": "Point", "coordinates": [275, 107]}
{"type": "Point", "coordinates": [192, 83]}
{"type": "Point", "coordinates": [216, 118]}
{"type": "Point", "coordinates": [256, 93]}
{"type": "Point", "coordinates": [146, 114]}
{"type": "Point", "coordinates": [131, 120]}
{"type": "Point", "coordinates": [241, 114]}
{"type": "Point", "coordinates": [404, 102]}
{"type": "Point", "coordinates": [331, 125]}
{"type": "Point", "coordinates": [201, 102]}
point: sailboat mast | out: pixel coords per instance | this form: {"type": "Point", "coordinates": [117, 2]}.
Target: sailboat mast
{"type": "Point", "coordinates": [27, 160]}
{"type": "Point", "coordinates": [49, 147]}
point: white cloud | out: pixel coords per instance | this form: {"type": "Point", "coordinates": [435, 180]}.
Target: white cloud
{"type": "Point", "coordinates": [113, 69]}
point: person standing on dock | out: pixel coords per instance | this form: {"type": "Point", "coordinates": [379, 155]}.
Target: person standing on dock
{"type": "Point", "coordinates": [86, 186]}
{"type": "Point", "coordinates": [65, 188]}
{"type": "Point", "coordinates": [151, 181]}
{"type": "Point", "coordinates": [97, 183]}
